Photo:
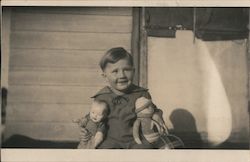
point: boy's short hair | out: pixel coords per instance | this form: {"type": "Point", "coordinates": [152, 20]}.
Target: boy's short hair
{"type": "Point", "coordinates": [115, 54]}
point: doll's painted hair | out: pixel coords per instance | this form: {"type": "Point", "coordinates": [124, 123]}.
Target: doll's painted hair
{"type": "Point", "coordinates": [114, 55]}
{"type": "Point", "coordinates": [106, 106]}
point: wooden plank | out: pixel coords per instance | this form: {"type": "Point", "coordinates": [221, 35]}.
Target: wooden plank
{"type": "Point", "coordinates": [62, 40]}
{"type": "Point", "coordinates": [80, 77]}
{"type": "Point", "coordinates": [56, 52]}
{"type": "Point", "coordinates": [5, 50]}
{"type": "Point", "coordinates": [121, 11]}
{"type": "Point", "coordinates": [143, 71]}
{"type": "Point", "coordinates": [44, 131]}
{"type": "Point", "coordinates": [77, 23]}
{"type": "Point", "coordinates": [55, 58]}
{"type": "Point", "coordinates": [45, 112]}
{"type": "Point", "coordinates": [135, 43]}
{"type": "Point", "coordinates": [248, 63]}
{"type": "Point", "coordinates": [51, 94]}
{"type": "Point", "coordinates": [55, 69]}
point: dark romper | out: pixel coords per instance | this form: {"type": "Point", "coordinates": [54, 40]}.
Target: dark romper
{"type": "Point", "coordinates": [121, 117]}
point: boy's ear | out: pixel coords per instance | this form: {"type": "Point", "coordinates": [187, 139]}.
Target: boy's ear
{"type": "Point", "coordinates": [102, 73]}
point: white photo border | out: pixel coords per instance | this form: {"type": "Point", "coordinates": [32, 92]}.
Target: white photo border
{"type": "Point", "coordinates": [75, 155]}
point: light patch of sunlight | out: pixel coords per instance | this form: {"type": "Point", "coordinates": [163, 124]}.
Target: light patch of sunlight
{"type": "Point", "coordinates": [217, 106]}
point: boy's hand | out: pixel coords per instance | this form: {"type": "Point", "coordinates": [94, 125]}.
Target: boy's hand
{"type": "Point", "coordinates": [98, 138]}
{"type": "Point", "coordinates": [85, 135]}
{"type": "Point", "coordinates": [158, 118]}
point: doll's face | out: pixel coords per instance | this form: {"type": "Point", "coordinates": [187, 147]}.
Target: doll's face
{"type": "Point", "coordinates": [97, 112]}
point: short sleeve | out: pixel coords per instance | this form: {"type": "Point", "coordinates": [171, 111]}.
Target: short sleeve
{"type": "Point", "coordinates": [99, 98]}
{"type": "Point", "coordinates": [103, 98]}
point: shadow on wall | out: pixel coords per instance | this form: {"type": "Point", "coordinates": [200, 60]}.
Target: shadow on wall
{"type": "Point", "coordinates": [4, 93]}
{"type": "Point", "coordinates": [21, 141]}
{"type": "Point", "coordinates": [184, 126]}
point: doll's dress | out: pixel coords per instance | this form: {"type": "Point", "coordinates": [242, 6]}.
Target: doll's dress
{"type": "Point", "coordinates": [92, 128]}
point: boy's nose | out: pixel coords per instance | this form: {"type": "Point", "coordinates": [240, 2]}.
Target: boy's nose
{"type": "Point", "coordinates": [121, 74]}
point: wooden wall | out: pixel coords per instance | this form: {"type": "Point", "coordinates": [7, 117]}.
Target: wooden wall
{"type": "Point", "coordinates": [53, 68]}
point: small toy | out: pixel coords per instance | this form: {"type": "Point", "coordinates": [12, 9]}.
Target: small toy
{"type": "Point", "coordinates": [144, 125]}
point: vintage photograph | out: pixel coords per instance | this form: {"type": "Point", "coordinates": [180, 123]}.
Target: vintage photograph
{"type": "Point", "coordinates": [125, 77]}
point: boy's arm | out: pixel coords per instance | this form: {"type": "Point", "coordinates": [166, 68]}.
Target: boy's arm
{"type": "Point", "coordinates": [99, 136]}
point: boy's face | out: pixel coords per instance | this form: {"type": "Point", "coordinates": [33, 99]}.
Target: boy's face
{"type": "Point", "coordinates": [119, 75]}
{"type": "Point", "coordinates": [97, 112]}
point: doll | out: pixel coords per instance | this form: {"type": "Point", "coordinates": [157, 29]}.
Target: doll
{"type": "Point", "coordinates": [144, 125]}
{"type": "Point", "coordinates": [94, 124]}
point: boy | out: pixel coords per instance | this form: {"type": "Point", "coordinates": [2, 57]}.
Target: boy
{"type": "Point", "coordinates": [118, 70]}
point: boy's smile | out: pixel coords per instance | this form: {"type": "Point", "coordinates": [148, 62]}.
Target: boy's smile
{"type": "Point", "coordinates": [119, 75]}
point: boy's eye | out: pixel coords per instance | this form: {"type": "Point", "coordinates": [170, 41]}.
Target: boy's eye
{"type": "Point", "coordinates": [128, 69]}
{"type": "Point", "coordinates": [114, 71]}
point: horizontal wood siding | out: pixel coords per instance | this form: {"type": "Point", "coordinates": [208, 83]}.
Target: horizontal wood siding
{"type": "Point", "coordinates": [68, 40]}
{"type": "Point", "coordinates": [51, 94]}
{"type": "Point", "coordinates": [73, 23]}
{"type": "Point", "coordinates": [112, 11]}
{"type": "Point", "coordinates": [35, 58]}
{"type": "Point", "coordinates": [54, 131]}
{"type": "Point", "coordinates": [53, 68]}
{"type": "Point", "coordinates": [18, 111]}
{"type": "Point", "coordinates": [75, 77]}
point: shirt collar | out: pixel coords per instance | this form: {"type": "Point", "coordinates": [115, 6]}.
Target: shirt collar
{"type": "Point", "coordinates": [107, 90]}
